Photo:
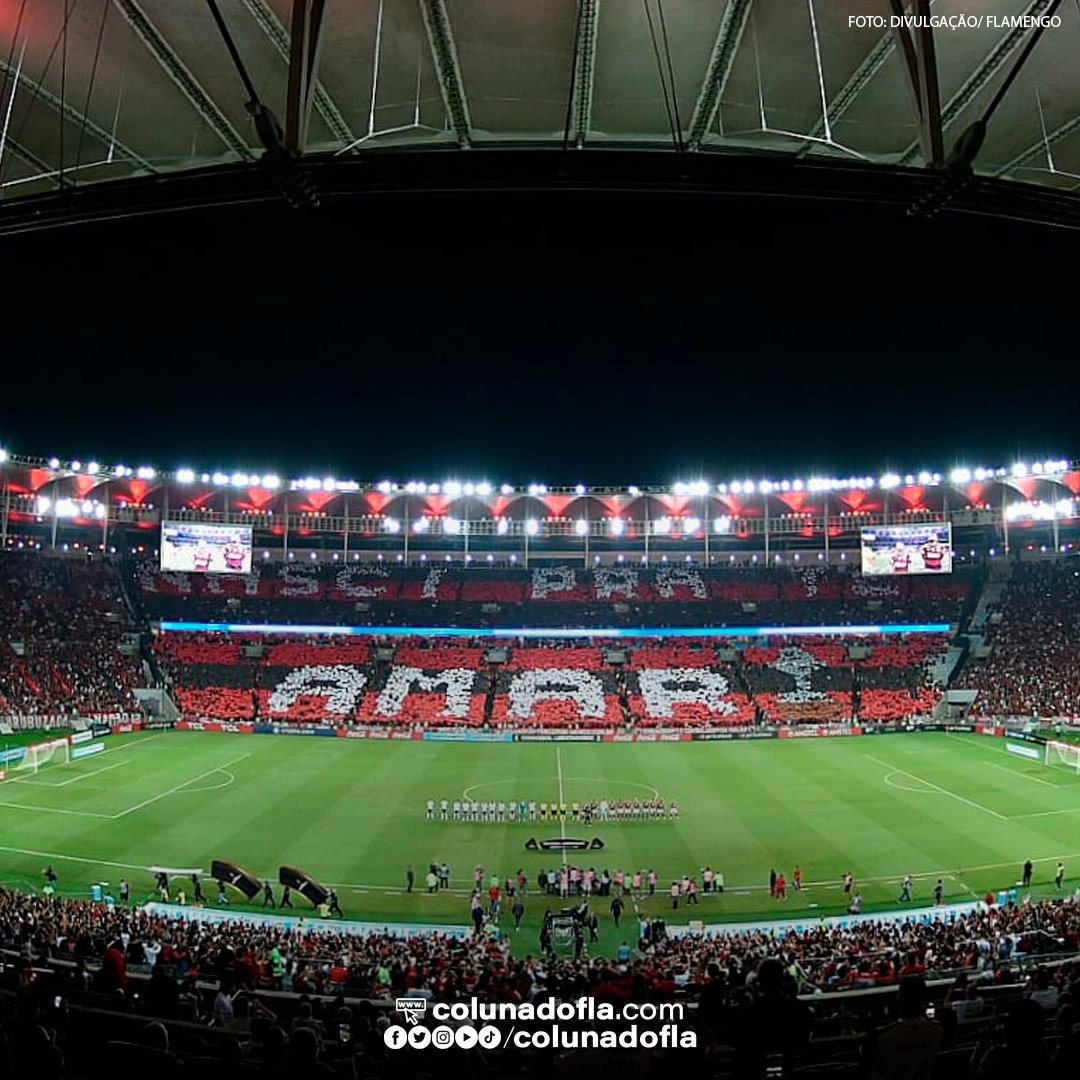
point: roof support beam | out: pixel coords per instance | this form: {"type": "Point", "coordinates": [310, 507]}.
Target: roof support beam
{"type": "Point", "coordinates": [1070, 127]}
{"type": "Point", "coordinates": [860, 79]}
{"type": "Point", "coordinates": [176, 70]}
{"type": "Point", "coordinates": [42, 169]}
{"type": "Point", "coordinates": [977, 80]}
{"type": "Point", "coordinates": [444, 55]}
{"type": "Point", "coordinates": [324, 104]}
{"type": "Point", "coordinates": [584, 71]}
{"type": "Point", "coordinates": [39, 92]}
{"type": "Point", "coordinates": [725, 49]}
{"type": "Point", "coordinates": [920, 69]}
{"type": "Point", "coordinates": [307, 17]}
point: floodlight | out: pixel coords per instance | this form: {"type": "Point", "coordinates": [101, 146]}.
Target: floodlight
{"type": "Point", "coordinates": [691, 525]}
{"type": "Point", "coordinates": [54, 463]}
{"type": "Point", "coordinates": [581, 527]}
{"type": "Point", "coordinates": [532, 527]}
{"type": "Point", "coordinates": [451, 526]}
{"type": "Point", "coordinates": [617, 526]}
{"type": "Point", "coordinates": [502, 526]}
{"type": "Point", "coordinates": [183, 476]}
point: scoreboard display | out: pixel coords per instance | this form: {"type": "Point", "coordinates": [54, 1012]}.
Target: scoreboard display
{"type": "Point", "coordinates": [206, 549]}
{"type": "Point", "coordinates": [907, 549]}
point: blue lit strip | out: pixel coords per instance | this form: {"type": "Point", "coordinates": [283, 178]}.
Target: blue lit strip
{"type": "Point", "coordinates": [555, 632]}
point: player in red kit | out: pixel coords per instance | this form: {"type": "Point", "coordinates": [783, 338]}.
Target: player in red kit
{"type": "Point", "coordinates": [234, 555]}
{"type": "Point", "coordinates": [933, 554]}
{"type": "Point", "coordinates": [201, 558]}
{"type": "Point", "coordinates": [901, 559]}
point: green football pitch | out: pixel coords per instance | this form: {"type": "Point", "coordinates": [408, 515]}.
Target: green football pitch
{"type": "Point", "coordinates": [352, 813]}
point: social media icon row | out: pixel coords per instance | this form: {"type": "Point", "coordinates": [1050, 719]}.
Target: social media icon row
{"type": "Point", "coordinates": [443, 1037]}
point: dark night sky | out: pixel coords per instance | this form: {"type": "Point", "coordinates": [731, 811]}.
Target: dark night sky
{"type": "Point", "coordinates": [608, 342]}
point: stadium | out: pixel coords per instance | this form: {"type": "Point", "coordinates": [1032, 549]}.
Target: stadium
{"type": "Point", "coordinates": [533, 535]}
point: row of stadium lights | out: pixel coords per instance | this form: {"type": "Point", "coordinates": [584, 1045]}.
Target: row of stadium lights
{"type": "Point", "coordinates": [451, 526]}
{"type": "Point", "coordinates": [456, 489]}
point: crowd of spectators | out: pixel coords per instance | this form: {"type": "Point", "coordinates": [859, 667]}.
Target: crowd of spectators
{"type": "Point", "coordinates": [556, 596]}
{"type": "Point", "coordinates": [242, 981]}
{"type": "Point", "coordinates": [62, 622]}
{"type": "Point", "coordinates": [648, 683]}
{"type": "Point", "coordinates": [1033, 632]}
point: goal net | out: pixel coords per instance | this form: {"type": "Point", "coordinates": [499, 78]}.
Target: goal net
{"type": "Point", "coordinates": [1063, 754]}
{"type": "Point", "coordinates": [41, 754]}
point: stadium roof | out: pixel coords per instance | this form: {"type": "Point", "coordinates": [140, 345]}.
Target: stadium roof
{"type": "Point", "coordinates": [140, 88]}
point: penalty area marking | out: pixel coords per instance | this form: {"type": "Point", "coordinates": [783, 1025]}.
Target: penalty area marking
{"type": "Point", "coordinates": [177, 788]}
{"type": "Point", "coordinates": [56, 810]}
{"type": "Point", "coordinates": [73, 779]}
{"type": "Point", "coordinates": [936, 788]}
{"type": "Point", "coordinates": [33, 781]}
{"type": "Point", "coordinates": [214, 787]}
{"type": "Point", "coordinates": [1022, 776]}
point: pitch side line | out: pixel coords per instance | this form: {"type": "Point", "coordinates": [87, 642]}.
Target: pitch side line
{"type": "Point", "coordinates": [178, 787]}
{"type": "Point", "coordinates": [936, 787]}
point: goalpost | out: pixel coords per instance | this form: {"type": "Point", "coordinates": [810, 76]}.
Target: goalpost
{"type": "Point", "coordinates": [41, 754]}
{"type": "Point", "coordinates": [1065, 754]}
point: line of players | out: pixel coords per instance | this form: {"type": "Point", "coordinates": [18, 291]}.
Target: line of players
{"type": "Point", "coordinates": [529, 810]}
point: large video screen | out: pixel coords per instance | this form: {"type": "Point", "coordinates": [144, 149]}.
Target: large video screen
{"type": "Point", "coordinates": [907, 549]}
{"type": "Point", "coordinates": [206, 549]}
